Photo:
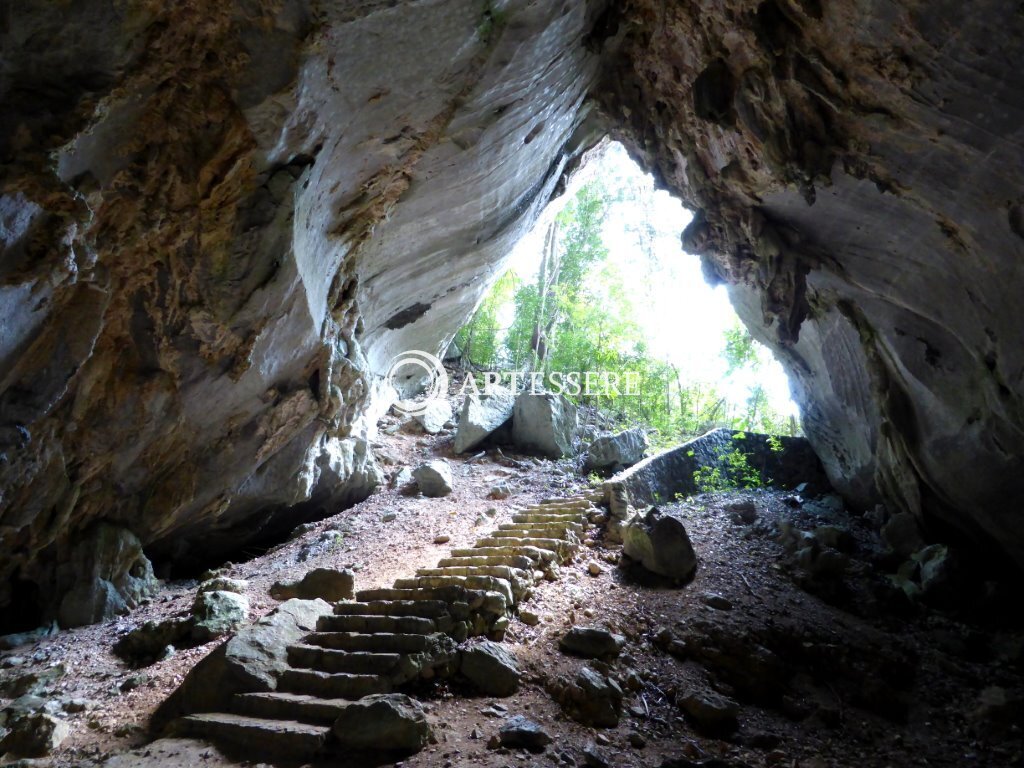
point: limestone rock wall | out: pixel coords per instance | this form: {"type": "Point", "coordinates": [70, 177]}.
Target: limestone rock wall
{"type": "Point", "coordinates": [219, 221]}
{"type": "Point", "coordinates": [856, 168]}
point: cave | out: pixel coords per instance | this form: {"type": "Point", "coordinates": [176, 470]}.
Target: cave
{"type": "Point", "coordinates": [218, 226]}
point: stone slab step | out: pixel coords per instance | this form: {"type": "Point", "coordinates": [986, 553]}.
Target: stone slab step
{"type": "Point", "coordinates": [406, 625]}
{"type": "Point", "coordinates": [339, 685]}
{"type": "Point", "coordinates": [519, 562]}
{"type": "Point", "coordinates": [257, 735]}
{"type": "Point", "coordinates": [334, 660]}
{"type": "Point", "coordinates": [532, 533]}
{"type": "Point", "coordinates": [506, 549]}
{"type": "Point", "coordinates": [498, 571]}
{"type": "Point", "coordinates": [559, 526]}
{"type": "Point", "coordinates": [573, 501]}
{"type": "Point", "coordinates": [380, 642]}
{"type": "Point", "coordinates": [427, 608]}
{"type": "Point", "coordinates": [474, 583]}
{"type": "Point", "coordinates": [442, 594]}
{"type": "Point", "coordinates": [558, 547]}
{"type": "Point", "coordinates": [548, 517]}
{"type": "Point", "coordinates": [275, 705]}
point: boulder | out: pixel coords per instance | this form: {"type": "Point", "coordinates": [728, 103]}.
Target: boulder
{"type": "Point", "coordinates": [391, 722]}
{"type": "Point", "coordinates": [108, 575]}
{"type": "Point", "coordinates": [436, 414]}
{"type": "Point", "coordinates": [615, 451]}
{"type": "Point", "coordinates": [327, 584]}
{"type": "Point", "coordinates": [593, 699]}
{"type": "Point", "coordinates": [481, 415]}
{"type": "Point", "coordinates": [544, 423]}
{"type": "Point", "coordinates": [434, 478]}
{"type": "Point", "coordinates": [521, 732]}
{"type": "Point", "coordinates": [18, 639]}
{"type": "Point", "coordinates": [35, 682]}
{"type": "Point", "coordinates": [499, 491]}
{"type": "Point", "coordinates": [659, 542]}
{"type": "Point", "coordinates": [741, 512]}
{"type": "Point", "coordinates": [592, 642]}
{"type": "Point", "coordinates": [711, 712]}
{"type": "Point", "coordinates": [34, 735]}
{"type": "Point", "coordinates": [147, 643]}
{"type": "Point", "coordinates": [401, 478]}
{"type": "Point", "coordinates": [216, 613]}
{"type": "Point", "coordinates": [491, 668]}
{"type": "Point", "coordinates": [250, 661]}
{"type": "Point", "coordinates": [902, 534]}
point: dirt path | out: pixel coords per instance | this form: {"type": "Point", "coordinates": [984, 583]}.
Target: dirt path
{"type": "Point", "coordinates": [843, 703]}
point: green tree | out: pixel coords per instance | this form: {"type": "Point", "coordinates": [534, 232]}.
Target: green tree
{"type": "Point", "coordinates": [480, 340]}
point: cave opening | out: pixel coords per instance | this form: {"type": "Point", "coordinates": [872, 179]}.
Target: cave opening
{"type": "Point", "coordinates": [602, 282]}
{"type": "Point", "coordinates": [24, 612]}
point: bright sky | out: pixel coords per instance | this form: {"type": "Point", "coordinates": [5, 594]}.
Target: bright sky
{"type": "Point", "coordinates": [684, 319]}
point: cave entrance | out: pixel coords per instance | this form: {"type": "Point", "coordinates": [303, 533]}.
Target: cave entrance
{"type": "Point", "coordinates": [601, 285]}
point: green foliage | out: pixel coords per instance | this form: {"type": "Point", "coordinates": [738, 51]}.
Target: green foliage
{"type": "Point", "coordinates": [739, 352]}
{"type": "Point", "coordinates": [575, 314]}
{"type": "Point", "coordinates": [480, 339]}
{"type": "Point", "coordinates": [731, 471]}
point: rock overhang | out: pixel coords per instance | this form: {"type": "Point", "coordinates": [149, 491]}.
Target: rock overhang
{"type": "Point", "coordinates": [237, 234]}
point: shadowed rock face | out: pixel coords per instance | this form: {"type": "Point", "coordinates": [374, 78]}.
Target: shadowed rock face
{"type": "Point", "coordinates": [219, 224]}
{"type": "Point", "coordinates": [855, 168]}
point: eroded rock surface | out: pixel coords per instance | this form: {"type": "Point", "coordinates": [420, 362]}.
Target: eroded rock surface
{"type": "Point", "coordinates": [218, 227]}
{"type": "Point", "coordinates": [853, 169]}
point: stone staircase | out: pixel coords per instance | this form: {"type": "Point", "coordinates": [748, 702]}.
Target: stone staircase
{"type": "Point", "coordinates": [389, 638]}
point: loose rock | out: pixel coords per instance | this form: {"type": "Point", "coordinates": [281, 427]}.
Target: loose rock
{"type": "Point", "coordinates": [659, 542]}
{"type": "Point", "coordinates": [711, 712]}
{"type": "Point", "coordinates": [436, 414]}
{"type": "Point", "coordinates": [545, 423]}
{"type": "Point", "coordinates": [592, 642]}
{"type": "Point", "coordinates": [519, 732]}
{"type": "Point", "coordinates": [434, 478]}
{"type": "Point", "coordinates": [614, 451]}
{"type": "Point", "coordinates": [217, 613]}
{"type": "Point", "coordinates": [481, 415]}
{"type": "Point", "coordinates": [325, 583]}
{"type": "Point", "coordinates": [34, 735]}
{"type": "Point", "coordinates": [491, 668]}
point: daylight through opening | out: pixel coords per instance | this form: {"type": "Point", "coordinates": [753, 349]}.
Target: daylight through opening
{"type": "Point", "coordinates": [600, 303]}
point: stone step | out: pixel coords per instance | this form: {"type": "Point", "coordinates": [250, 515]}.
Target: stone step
{"type": "Point", "coordinates": [470, 583]}
{"type": "Point", "coordinates": [548, 517]}
{"type": "Point", "coordinates": [498, 571]}
{"type": "Point", "coordinates": [334, 660]}
{"type": "Point", "coordinates": [380, 642]}
{"type": "Point", "coordinates": [505, 549]}
{"type": "Point", "coordinates": [338, 685]}
{"type": "Point", "coordinates": [519, 562]}
{"type": "Point", "coordinates": [406, 625]}
{"type": "Point", "coordinates": [566, 525]}
{"type": "Point", "coordinates": [573, 501]}
{"type": "Point", "coordinates": [442, 594]}
{"type": "Point", "coordinates": [286, 738]}
{"type": "Point", "coordinates": [274, 705]}
{"type": "Point", "coordinates": [427, 608]}
{"type": "Point", "coordinates": [558, 547]}
{"type": "Point", "coordinates": [532, 533]}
